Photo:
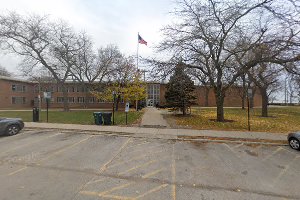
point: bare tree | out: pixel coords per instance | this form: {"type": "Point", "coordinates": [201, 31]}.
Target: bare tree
{"type": "Point", "coordinates": [224, 39]}
{"type": "Point", "coordinates": [42, 44]}
{"type": "Point", "coordinates": [4, 72]}
{"type": "Point", "coordinates": [266, 78]}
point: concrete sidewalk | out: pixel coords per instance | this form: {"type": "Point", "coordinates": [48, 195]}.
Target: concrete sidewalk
{"type": "Point", "coordinates": [168, 133]}
{"type": "Point", "coordinates": [153, 118]}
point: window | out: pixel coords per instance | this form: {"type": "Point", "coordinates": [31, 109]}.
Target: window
{"type": "Point", "coordinates": [18, 88]}
{"type": "Point", "coordinates": [80, 99]}
{"type": "Point", "coordinates": [18, 100]}
{"type": "Point", "coordinates": [92, 99]}
{"type": "Point", "coordinates": [80, 89]}
{"type": "Point", "coordinates": [59, 89]}
{"type": "Point", "coordinates": [71, 99]}
{"type": "Point", "coordinates": [59, 99]}
{"type": "Point", "coordinates": [71, 89]}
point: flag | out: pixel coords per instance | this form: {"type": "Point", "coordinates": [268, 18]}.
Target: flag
{"type": "Point", "coordinates": [141, 40]}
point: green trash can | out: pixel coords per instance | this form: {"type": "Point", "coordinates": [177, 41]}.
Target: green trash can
{"type": "Point", "coordinates": [107, 118]}
{"type": "Point", "coordinates": [98, 118]}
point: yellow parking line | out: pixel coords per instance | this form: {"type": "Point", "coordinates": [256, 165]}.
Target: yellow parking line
{"type": "Point", "coordinates": [20, 146]}
{"type": "Point", "coordinates": [19, 170]}
{"type": "Point", "coordinates": [151, 191]}
{"type": "Point", "coordinates": [153, 173]}
{"type": "Point", "coordinates": [64, 149]}
{"type": "Point", "coordinates": [55, 153]}
{"type": "Point", "coordinates": [104, 193]}
{"type": "Point", "coordinates": [118, 152]}
{"type": "Point", "coordinates": [133, 158]}
{"type": "Point", "coordinates": [276, 151]}
{"type": "Point", "coordinates": [139, 166]}
{"type": "Point", "coordinates": [237, 146]}
{"type": "Point", "coordinates": [131, 146]}
{"type": "Point", "coordinates": [88, 193]}
{"type": "Point", "coordinates": [232, 151]}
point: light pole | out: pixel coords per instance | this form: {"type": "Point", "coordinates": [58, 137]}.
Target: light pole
{"type": "Point", "coordinates": [114, 99]}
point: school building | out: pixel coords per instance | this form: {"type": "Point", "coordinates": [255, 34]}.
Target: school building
{"type": "Point", "coordinates": [23, 94]}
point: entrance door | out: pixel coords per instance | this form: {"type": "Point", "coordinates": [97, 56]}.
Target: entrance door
{"type": "Point", "coordinates": [150, 103]}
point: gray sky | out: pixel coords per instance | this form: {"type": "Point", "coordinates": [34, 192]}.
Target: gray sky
{"type": "Point", "coordinates": [106, 21]}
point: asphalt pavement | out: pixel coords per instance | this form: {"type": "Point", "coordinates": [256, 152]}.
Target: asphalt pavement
{"type": "Point", "coordinates": [82, 165]}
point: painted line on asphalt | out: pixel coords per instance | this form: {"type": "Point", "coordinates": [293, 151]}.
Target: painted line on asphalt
{"type": "Point", "coordinates": [152, 191]}
{"type": "Point", "coordinates": [272, 154]}
{"type": "Point", "coordinates": [64, 149]}
{"type": "Point", "coordinates": [17, 171]}
{"type": "Point", "coordinates": [54, 153]}
{"type": "Point", "coordinates": [232, 151]}
{"type": "Point", "coordinates": [134, 158]}
{"type": "Point", "coordinates": [138, 167]}
{"type": "Point", "coordinates": [136, 145]}
{"type": "Point", "coordinates": [29, 143]}
{"type": "Point", "coordinates": [239, 145]}
{"type": "Point", "coordinates": [286, 168]}
{"type": "Point", "coordinates": [103, 168]}
{"type": "Point", "coordinates": [89, 193]}
{"type": "Point", "coordinates": [118, 187]}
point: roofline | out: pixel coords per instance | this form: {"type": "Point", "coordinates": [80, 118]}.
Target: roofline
{"type": "Point", "coordinates": [15, 79]}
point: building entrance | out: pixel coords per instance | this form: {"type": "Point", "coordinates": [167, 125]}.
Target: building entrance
{"type": "Point", "coordinates": [150, 103]}
{"type": "Point", "coordinates": [153, 92]}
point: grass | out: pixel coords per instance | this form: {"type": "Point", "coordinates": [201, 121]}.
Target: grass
{"type": "Point", "coordinates": [281, 120]}
{"type": "Point", "coordinates": [72, 117]}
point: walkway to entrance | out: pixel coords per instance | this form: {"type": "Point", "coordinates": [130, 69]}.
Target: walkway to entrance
{"type": "Point", "coordinates": [153, 118]}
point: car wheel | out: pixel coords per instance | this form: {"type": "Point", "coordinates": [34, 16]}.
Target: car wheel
{"type": "Point", "coordinates": [12, 130]}
{"type": "Point", "coordinates": [294, 143]}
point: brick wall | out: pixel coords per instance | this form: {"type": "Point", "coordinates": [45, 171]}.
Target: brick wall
{"type": "Point", "coordinates": [7, 94]}
{"type": "Point", "coordinates": [232, 97]}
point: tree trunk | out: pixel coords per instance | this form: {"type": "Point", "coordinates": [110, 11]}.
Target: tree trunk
{"type": "Point", "coordinates": [86, 95]}
{"type": "Point", "coordinates": [118, 101]}
{"type": "Point", "coordinates": [220, 95]}
{"type": "Point", "coordinates": [136, 105]}
{"type": "Point", "coordinates": [206, 96]}
{"type": "Point", "coordinates": [264, 98]}
{"type": "Point", "coordinates": [244, 91]}
{"type": "Point", "coordinates": [65, 96]}
{"type": "Point", "coordinates": [183, 108]}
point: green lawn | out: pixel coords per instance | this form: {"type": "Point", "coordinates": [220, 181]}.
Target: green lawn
{"type": "Point", "coordinates": [281, 120]}
{"type": "Point", "coordinates": [72, 117]}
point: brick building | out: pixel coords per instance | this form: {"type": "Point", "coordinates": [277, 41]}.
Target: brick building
{"type": "Point", "coordinates": [22, 94]}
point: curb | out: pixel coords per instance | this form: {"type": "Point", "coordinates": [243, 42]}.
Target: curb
{"type": "Point", "coordinates": [185, 138]}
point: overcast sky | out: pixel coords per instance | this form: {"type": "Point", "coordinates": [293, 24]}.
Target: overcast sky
{"type": "Point", "coordinates": [106, 21]}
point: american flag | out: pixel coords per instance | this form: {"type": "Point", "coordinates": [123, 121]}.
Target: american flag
{"type": "Point", "coordinates": [141, 40]}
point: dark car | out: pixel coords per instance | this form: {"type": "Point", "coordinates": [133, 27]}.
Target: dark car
{"type": "Point", "coordinates": [294, 140]}
{"type": "Point", "coordinates": [10, 126]}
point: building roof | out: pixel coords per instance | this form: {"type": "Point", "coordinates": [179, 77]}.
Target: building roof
{"type": "Point", "coordinates": [15, 79]}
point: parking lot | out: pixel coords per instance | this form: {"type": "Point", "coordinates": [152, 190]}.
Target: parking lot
{"type": "Point", "coordinates": [51, 164]}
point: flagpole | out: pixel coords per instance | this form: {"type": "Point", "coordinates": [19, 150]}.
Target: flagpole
{"type": "Point", "coordinates": [137, 54]}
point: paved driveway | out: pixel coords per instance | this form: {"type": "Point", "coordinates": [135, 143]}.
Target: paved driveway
{"type": "Point", "coordinates": [50, 164]}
